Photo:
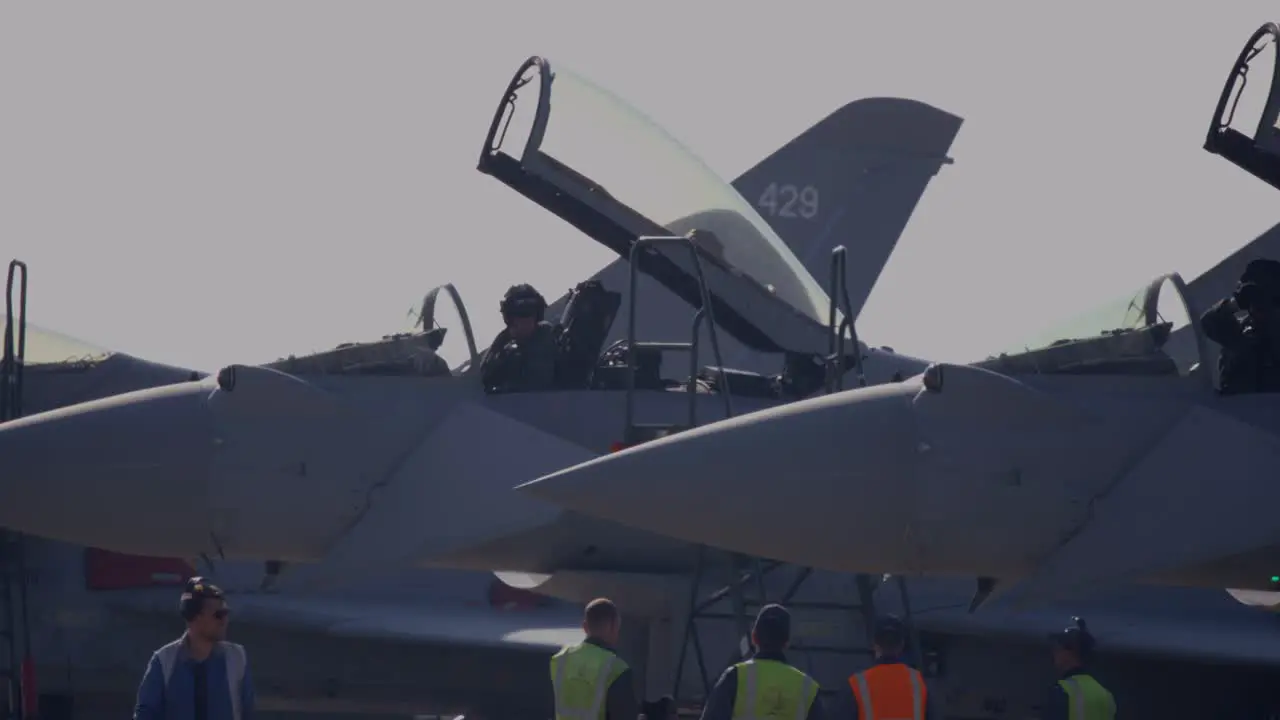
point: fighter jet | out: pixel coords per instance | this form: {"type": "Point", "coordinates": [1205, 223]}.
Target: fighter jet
{"type": "Point", "coordinates": [54, 370]}
{"type": "Point", "coordinates": [375, 456]}
{"type": "Point", "coordinates": [1095, 454]}
{"type": "Point", "coordinates": [82, 593]}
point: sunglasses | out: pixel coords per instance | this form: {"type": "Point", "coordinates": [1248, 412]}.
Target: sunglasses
{"type": "Point", "coordinates": [221, 614]}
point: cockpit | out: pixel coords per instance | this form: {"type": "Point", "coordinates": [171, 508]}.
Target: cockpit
{"type": "Point", "coordinates": [1147, 333]}
{"type": "Point", "coordinates": [589, 157]}
{"type": "Point", "coordinates": [406, 353]}
{"type": "Point", "coordinates": [49, 348]}
{"type": "Point", "coordinates": [611, 172]}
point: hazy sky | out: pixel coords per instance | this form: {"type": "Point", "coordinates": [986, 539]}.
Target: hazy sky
{"type": "Point", "coordinates": [203, 184]}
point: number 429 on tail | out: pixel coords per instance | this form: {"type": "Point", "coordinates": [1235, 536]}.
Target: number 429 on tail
{"type": "Point", "coordinates": [789, 201]}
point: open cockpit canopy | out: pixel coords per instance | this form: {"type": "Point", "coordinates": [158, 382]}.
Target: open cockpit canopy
{"type": "Point", "coordinates": [1256, 148]}
{"type": "Point", "coordinates": [601, 165]}
{"type": "Point", "coordinates": [1134, 335]}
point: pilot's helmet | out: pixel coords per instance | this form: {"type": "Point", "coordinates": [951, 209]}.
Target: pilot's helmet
{"type": "Point", "coordinates": [1261, 270]}
{"type": "Point", "coordinates": [523, 301]}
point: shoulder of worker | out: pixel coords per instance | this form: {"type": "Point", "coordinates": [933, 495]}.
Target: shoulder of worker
{"type": "Point", "coordinates": [229, 647]}
{"type": "Point", "coordinates": [1056, 704]}
{"type": "Point", "coordinates": [730, 675]}
{"type": "Point", "coordinates": [719, 704]}
{"type": "Point", "coordinates": [169, 651]}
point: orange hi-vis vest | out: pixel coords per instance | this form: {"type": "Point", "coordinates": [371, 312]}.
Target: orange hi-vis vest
{"type": "Point", "coordinates": [892, 691]}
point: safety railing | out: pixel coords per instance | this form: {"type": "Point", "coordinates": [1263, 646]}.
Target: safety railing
{"type": "Point", "coordinates": [634, 432]}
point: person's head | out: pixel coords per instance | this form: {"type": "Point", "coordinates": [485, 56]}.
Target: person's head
{"type": "Point", "coordinates": [888, 637]}
{"type": "Point", "coordinates": [602, 621]}
{"type": "Point", "coordinates": [771, 632]}
{"type": "Point", "coordinates": [1073, 646]}
{"type": "Point", "coordinates": [1258, 292]}
{"type": "Point", "coordinates": [522, 309]}
{"type": "Point", "coordinates": [204, 607]}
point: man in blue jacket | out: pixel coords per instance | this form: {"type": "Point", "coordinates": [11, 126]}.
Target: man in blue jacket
{"type": "Point", "coordinates": [199, 676]}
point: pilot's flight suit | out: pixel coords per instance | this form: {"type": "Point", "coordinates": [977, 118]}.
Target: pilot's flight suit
{"type": "Point", "coordinates": [511, 366]}
{"type": "Point", "coordinates": [1250, 359]}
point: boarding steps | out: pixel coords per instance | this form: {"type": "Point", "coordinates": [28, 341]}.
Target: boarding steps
{"type": "Point", "coordinates": [749, 581]}
{"type": "Point", "coordinates": [14, 618]}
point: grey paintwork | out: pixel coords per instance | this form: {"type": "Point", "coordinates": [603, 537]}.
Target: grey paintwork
{"type": "Point", "coordinates": [366, 472]}
{"type": "Point", "coordinates": [100, 666]}
{"type": "Point", "coordinates": [1064, 468]}
{"type": "Point", "coordinates": [417, 643]}
{"type": "Point", "coordinates": [61, 371]}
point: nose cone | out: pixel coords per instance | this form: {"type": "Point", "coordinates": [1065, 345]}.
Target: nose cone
{"type": "Point", "coordinates": [823, 482]}
{"type": "Point", "coordinates": [128, 473]}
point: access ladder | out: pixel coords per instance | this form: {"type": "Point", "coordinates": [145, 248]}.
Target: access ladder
{"type": "Point", "coordinates": [15, 624]}
{"type": "Point", "coordinates": [634, 432]}
{"type": "Point", "coordinates": [747, 590]}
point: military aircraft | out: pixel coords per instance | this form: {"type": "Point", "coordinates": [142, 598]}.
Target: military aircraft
{"type": "Point", "coordinates": [1097, 454]}
{"type": "Point", "coordinates": [892, 142]}
{"type": "Point", "coordinates": [229, 456]}
{"type": "Point", "coordinates": [84, 619]}
{"type": "Point", "coordinates": [913, 173]}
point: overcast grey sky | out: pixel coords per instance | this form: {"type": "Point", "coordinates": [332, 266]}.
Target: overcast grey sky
{"type": "Point", "coordinates": [204, 184]}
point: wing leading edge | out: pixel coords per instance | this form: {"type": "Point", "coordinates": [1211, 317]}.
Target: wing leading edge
{"type": "Point", "coordinates": [433, 624]}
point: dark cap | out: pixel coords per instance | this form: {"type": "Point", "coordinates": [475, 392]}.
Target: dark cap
{"type": "Point", "coordinates": [194, 593]}
{"type": "Point", "coordinates": [889, 631]}
{"type": "Point", "coordinates": [198, 587]}
{"type": "Point", "coordinates": [1075, 638]}
{"type": "Point", "coordinates": [772, 628]}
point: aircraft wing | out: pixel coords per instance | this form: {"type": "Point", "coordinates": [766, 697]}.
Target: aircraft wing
{"type": "Point", "coordinates": [1161, 518]}
{"type": "Point", "coordinates": [1199, 624]}
{"type": "Point", "coordinates": [439, 623]}
{"type": "Point", "coordinates": [1204, 640]}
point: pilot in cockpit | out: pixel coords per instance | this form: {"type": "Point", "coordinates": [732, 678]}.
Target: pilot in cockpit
{"type": "Point", "coordinates": [1250, 359]}
{"type": "Point", "coordinates": [522, 356]}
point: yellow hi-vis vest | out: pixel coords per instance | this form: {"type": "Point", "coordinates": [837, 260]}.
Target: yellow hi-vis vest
{"type": "Point", "coordinates": [1087, 699]}
{"type": "Point", "coordinates": [772, 690]}
{"type": "Point", "coordinates": [580, 678]}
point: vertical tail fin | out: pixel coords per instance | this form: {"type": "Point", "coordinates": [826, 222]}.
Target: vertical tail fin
{"type": "Point", "coordinates": [853, 179]}
{"type": "Point", "coordinates": [1220, 280]}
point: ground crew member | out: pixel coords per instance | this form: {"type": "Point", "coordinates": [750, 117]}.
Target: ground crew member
{"type": "Point", "coordinates": [889, 689]}
{"type": "Point", "coordinates": [589, 680]}
{"type": "Point", "coordinates": [199, 676]}
{"type": "Point", "coordinates": [522, 357]}
{"type": "Point", "coordinates": [1076, 696]}
{"type": "Point", "coordinates": [765, 687]}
